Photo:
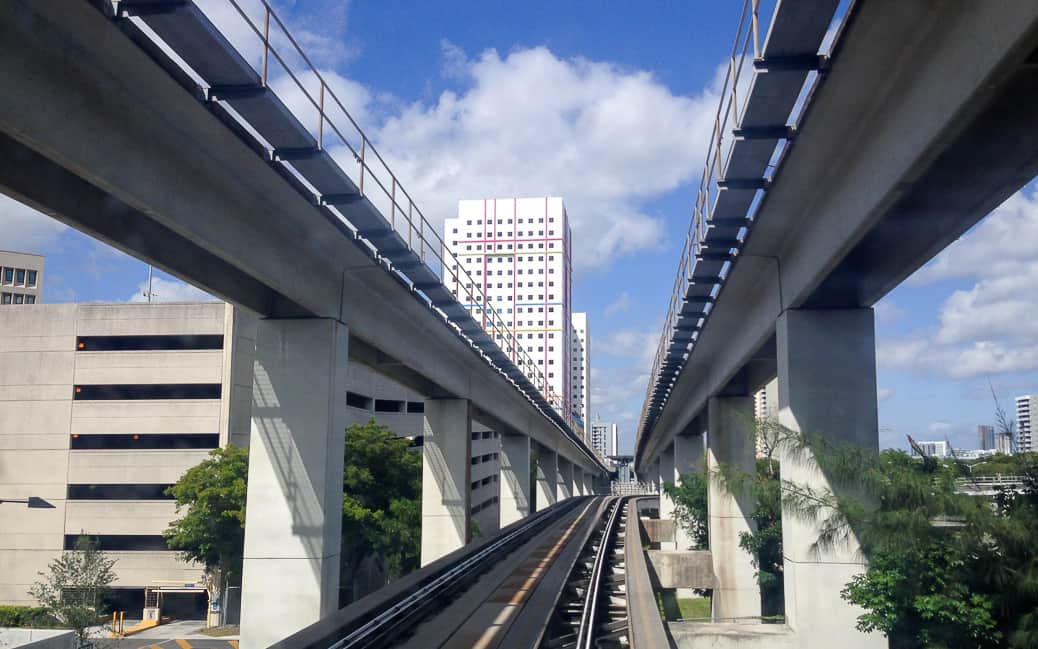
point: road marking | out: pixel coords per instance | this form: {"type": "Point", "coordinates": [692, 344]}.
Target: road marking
{"type": "Point", "coordinates": [184, 644]}
{"type": "Point", "coordinates": [233, 643]}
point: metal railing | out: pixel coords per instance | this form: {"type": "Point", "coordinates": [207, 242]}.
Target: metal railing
{"type": "Point", "coordinates": [405, 217]}
{"type": "Point", "coordinates": [747, 41]}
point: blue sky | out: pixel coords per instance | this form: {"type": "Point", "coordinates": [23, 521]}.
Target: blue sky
{"type": "Point", "coordinates": [609, 108]}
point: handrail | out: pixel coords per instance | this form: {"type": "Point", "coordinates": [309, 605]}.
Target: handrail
{"type": "Point", "coordinates": [747, 34]}
{"type": "Point", "coordinates": [421, 236]}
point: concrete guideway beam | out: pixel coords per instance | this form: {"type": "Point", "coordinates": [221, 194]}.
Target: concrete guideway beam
{"type": "Point", "coordinates": [826, 387]}
{"type": "Point", "coordinates": [564, 485]}
{"type": "Point", "coordinates": [516, 495]}
{"type": "Point", "coordinates": [730, 441]}
{"type": "Point", "coordinates": [446, 477]}
{"type": "Point", "coordinates": [294, 521]}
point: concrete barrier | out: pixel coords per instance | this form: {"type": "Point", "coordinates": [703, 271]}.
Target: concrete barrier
{"type": "Point", "coordinates": [12, 638]}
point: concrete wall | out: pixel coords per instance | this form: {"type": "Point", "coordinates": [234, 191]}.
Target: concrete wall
{"type": "Point", "coordinates": [12, 638]}
{"type": "Point", "coordinates": [683, 569]}
{"type": "Point", "coordinates": [39, 366]}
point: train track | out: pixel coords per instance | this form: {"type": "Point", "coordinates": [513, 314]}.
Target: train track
{"type": "Point", "coordinates": [591, 611]}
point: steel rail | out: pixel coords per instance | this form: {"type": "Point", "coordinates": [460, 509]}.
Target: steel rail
{"type": "Point", "coordinates": [414, 606]}
{"type": "Point", "coordinates": [589, 617]}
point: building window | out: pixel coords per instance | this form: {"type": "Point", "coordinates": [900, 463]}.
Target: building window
{"type": "Point", "coordinates": [389, 405]}
{"type": "Point", "coordinates": [5, 298]}
{"type": "Point", "coordinates": [19, 277]}
{"type": "Point", "coordinates": [146, 391]}
{"type": "Point", "coordinates": [148, 343]}
{"type": "Point", "coordinates": [32, 278]}
{"type": "Point", "coordinates": [30, 299]}
{"type": "Point", "coordinates": [118, 492]}
{"type": "Point", "coordinates": [19, 298]}
{"type": "Point", "coordinates": [123, 542]}
{"type": "Point", "coordinates": [144, 441]}
{"type": "Point", "coordinates": [8, 275]}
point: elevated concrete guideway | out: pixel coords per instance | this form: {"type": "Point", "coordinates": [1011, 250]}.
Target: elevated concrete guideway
{"type": "Point", "coordinates": [196, 201]}
{"type": "Point", "coordinates": [923, 125]}
{"type": "Point", "coordinates": [922, 121]}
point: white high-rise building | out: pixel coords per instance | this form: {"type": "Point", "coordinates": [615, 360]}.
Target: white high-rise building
{"type": "Point", "coordinates": [604, 438]}
{"type": "Point", "coordinates": [1026, 409]}
{"type": "Point", "coordinates": [516, 252]}
{"type": "Point", "coordinates": [580, 355]}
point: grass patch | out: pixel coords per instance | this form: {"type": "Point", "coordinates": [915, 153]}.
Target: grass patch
{"type": "Point", "coordinates": [694, 608]}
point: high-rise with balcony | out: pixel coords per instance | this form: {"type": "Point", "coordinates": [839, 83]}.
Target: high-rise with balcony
{"type": "Point", "coordinates": [1026, 409]}
{"type": "Point", "coordinates": [509, 261]}
{"type": "Point", "coordinates": [580, 363]}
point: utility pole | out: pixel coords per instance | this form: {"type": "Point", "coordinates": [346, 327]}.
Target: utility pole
{"type": "Point", "coordinates": [149, 293]}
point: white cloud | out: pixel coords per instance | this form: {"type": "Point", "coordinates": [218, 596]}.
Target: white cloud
{"type": "Point", "coordinates": [621, 304]}
{"type": "Point", "coordinates": [170, 290]}
{"type": "Point", "coordinates": [939, 426]}
{"type": "Point", "coordinates": [26, 230]}
{"type": "Point", "coordinates": [990, 328]}
{"type": "Point", "coordinates": [887, 311]}
{"type": "Point", "coordinates": [603, 137]}
{"type": "Point", "coordinates": [882, 394]}
{"type": "Point", "coordinates": [629, 343]}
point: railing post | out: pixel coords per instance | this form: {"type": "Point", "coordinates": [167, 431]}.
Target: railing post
{"type": "Point", "coordinates": [363, 146]}
{"type": "Point", "coordinates": [756, 29]}
{"type": "Point", "coordinates": [320, 120]}
{"type": "Point", "coordinates": [266, 42]}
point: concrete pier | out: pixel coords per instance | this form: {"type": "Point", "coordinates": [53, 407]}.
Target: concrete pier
{"type": "Point", "coordinates": [547, 477]}
{"type": "Point", "coordinates": [688, 459]}
{"type": "Point", "coordinates": [826, 387]}
{"type": "Point", "coordinates": [446, 473]}
{"type": "Point", "coordinates": [730, 441]}
{"type": "Point", "coordinates": [294, 520]}
{"type": "Point", "coordinates": [515, 494]}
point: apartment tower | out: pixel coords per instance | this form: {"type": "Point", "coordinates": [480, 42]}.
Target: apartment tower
{"type": "Point", "coordinates": [516, 252]}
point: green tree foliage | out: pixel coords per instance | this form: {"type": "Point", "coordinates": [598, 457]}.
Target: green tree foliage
{"type": "Point", "coordinates": [946, 569]}
{"type": "Point", "coordinates": [72, 590]}
{"type": "Point", "coordinates": [689, 496]}
{"type": "Point", "coordinates": [212, 529]}
{"type": "Point", "coordinates": [381, 509]}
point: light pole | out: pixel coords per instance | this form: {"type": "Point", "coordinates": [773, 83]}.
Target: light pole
{"type": "Point", "coordinates": [33, 502]}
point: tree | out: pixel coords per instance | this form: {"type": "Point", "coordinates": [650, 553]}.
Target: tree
{"type": "Point", "coordinates": [212, 529]}
{"type": "Point", "coordinates": [689, 496]}
{"type": "Point", "coordinates": [73, 589]}
{"type": "Point", "coordinates": [382, 515]}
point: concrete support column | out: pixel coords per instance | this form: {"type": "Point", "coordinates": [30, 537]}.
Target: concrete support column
{"type": "Point", "coordinates": [515, 478]}
{"type": "Point", "coordinates": [294, 522]}
{"type": "Point", "coordinates": [446, 473]}
{"type": "Point", "coordinates": [730, 440]}
{"type": "Point", "coordinates": [688, 459]}
{"type": "Point", "coordinates": [564, 488]}
{"type": "Point", "coordinates": [666, 477]}
{"type": "Point", "coordinates": [547, 477]}
{"type": "Point", "coordinates": [826, 388]}
{"type": "Point", "coordinates": [580, 481]}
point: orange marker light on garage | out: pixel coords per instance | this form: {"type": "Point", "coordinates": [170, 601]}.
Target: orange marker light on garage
{"type": "Point", "coordinates": [136, 436]}
{"type": "Point", "coordinates": [82, 345]}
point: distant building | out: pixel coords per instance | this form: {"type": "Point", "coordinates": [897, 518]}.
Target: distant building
{"type": "Point", "coordinates": [932, 449]}
{"type": "Point", "coordinates": [580, 361]}
{"type": "Point", "coordinates": [1004, 443]}
{"type": "Point", "coordinates": [974, 454]}
{"type": "Point", "coordinates": [765, 408]}
{"type": "Point", "coordinates": [603, 438]}
{"type": "Point", "coordinates": [21, 278]}
{"type": "Point", "coordinates": [515, 253]}
{"type": "Point", "coordinates": [1026, 411]}
{"type": "Point", "coordinates": [986, 435]}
